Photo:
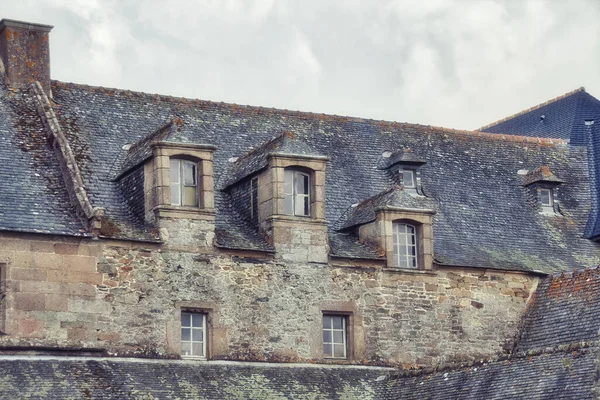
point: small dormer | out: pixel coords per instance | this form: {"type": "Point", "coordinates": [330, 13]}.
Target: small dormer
{"type": "Point", "coordinates": [403, 167]}
{"type": "Point", "coordinates": [280, 189]}
{"type": "Point", "coordinates": [543, 187]}
{"type": "Point", "coordinates": [397, 225]}
{"type": "Point", "coordinates": [176, 185]}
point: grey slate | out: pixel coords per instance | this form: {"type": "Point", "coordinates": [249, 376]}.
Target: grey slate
{"type": "Point", "coordinates": [33, 197]}
{"type": "Point", "coordinates": [24, 378]}
{"type": "Point", "coordinates": [484, 218]}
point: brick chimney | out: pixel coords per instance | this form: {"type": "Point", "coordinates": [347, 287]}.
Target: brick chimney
{"type": "Point", "coordinates": [25, 53]}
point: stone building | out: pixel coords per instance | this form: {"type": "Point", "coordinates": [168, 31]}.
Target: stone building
{"type": "Point", "coordinates": [139, 225]}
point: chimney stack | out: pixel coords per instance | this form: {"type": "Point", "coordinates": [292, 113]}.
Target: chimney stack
{"type": "Point", "coordinates": [25, 53]}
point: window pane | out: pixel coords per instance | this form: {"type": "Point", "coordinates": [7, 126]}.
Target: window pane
{"type": "Point", "coordinates": [186, 348]}
{"type": "Point", "coordinates": [289, 182]}
{"type": "Point", "coordinates": [197, 335]}
{"type": "Point", "coordinates": [301, 185]}
{"type": "Point", "coordinates": [408, 178]}
{"type": "Point", "coordinates": [338, 337]}
{"type": "Point", "coordinates": [339, 350]}
{"type": "Point", "coordinates": [198, 349]}
{"type": "Point", "coordinates": [198, 320]}
{"type": "Point", "coordinates": [185, 319]}
{"type": "Point", "coordinates": [301, 205]}
{"type": "Point", "coordinates": [189, 196]}
{"type": "Point", "coordinates": [326, 336]}
{"type": "Point", "coordinates": [326, 321]}
{"type": "Point", "coordinates": [306, 206]}
{"type": "Point", "coordinates": [185, 334]}
{"type": "Point", "coordinates": [337, 322]}
{"type": "Point", "coordinates": [189, 173]}
{"type": "Point", "coordinates": [175, 195]}
{"type": "Point", "coordinates": [327, 350]}
{"type": "Point", "coordinates": [288, 204]}
{"type": "Point", "coordinates": [546, 197]}
{"type": "Point", "coordinates": [174, 170]}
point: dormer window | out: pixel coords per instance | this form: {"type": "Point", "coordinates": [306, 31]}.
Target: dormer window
{"type": "Point", "coordinates": [405, 245]}
{"type": "Point", "coordinates": [546, 198]}
{"type": "Point", "coordinates": [408, 178]}
{"type": "Point", "coordinates": [184, 182]}
{"type": "Point", "coordinates": [297, 193]}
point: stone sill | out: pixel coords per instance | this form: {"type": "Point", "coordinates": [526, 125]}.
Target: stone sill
{"type": "Point", "coordinates": [183, 212]}
{"type": "Point", "coordinates": [194, 358]}
{"type": "Point", "coordinates": [409, 271]}
{"type": "Point", "coordinates": [295, 219]}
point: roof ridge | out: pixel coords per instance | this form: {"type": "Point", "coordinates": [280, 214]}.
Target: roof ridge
{"type": "Point", "coordinates": [313, 115]}
{"type": "Point", "coordinates": [553, 100]}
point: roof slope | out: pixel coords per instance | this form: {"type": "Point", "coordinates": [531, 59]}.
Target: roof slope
{"type": "Point", "coordinates": [566, 310]}
{"type": "Point", "coordinates": [471, 177]}
{"type": "Point", "coordinates": [562, 117]}
{"type": "Point", "coordinates": [126, 379]}
{"type": "Point", "coordinates": [33, 197]}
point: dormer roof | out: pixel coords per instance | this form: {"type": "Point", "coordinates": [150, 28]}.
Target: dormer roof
{"type": "Point", "coordinates": [287, 143]}
{"type": "Point", "coordinates": [541, 175]}
{"type": "Point", "coordinates": [404, 156]}
{"type": "Point", "coordinates": [394, 197]}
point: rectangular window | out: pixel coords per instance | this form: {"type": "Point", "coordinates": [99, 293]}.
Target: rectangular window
{"type": "Point", "coordinates": [546, 197]}
{"type": "Point", "coordinates": [408, 179]}
{"type": "Point", "coordinates": [297, 193]}
{"type": "Point", "coordinates": [184, 182]}
{"type": "Point", "coordinates": [193, 334]}
{"type": "Point", "coordinates": [335, 336]}
{"type": "Point", "coordinates": [254, 200]}
{"type": "Point", "coordinates": [405, 245]}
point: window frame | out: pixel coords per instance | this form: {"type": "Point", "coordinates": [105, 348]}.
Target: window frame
{"type": "Point", "coordinates": [396, 243]}
{"type": "Point", "coordinates": [191, 328]}
{"type": "Point", "coordinates": [181, 183]}
{"type": "Point", "coordinates": [294, 195]}
{"type": "Point", "coordinates": [550, 193]}
{"type": "Point", "coordinates": [345, 318]}
{"type": "Point", "coordinates": [413, 174]}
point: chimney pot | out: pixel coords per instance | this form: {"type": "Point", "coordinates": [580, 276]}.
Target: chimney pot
{"type": "Point", "coordinates": [25, 53]}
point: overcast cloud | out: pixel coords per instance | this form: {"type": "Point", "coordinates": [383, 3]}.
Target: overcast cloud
{"type": "Point", "coordinates": [459, 64]}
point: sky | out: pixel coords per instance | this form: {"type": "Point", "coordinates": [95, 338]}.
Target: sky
{"type": "Point", "coordinates": [453, 63]}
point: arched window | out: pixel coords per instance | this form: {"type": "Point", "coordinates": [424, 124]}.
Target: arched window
{"type": "Point", "coordinates": [184, 182]}
{"type": "Point", "coordinates": [405, 245]}
{"type": "Point", "coordinates": [297, 193]}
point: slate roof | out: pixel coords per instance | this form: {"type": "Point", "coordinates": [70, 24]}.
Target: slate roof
{"type": "Point", "coordinates": [33, 197]}
{"type": "Point", "coordinates": [562, 117]}
{"type": "Point", "coordinates": [566, 309]}
{"type": "Point", "coordinates": [257, 159]}
{"type": "Point", "coordinates": [69, 378]}
{"type": "Point", "coordinates": [484, 217]}
{"type": "Point", "coordinates": [557, 375]}
{"type": "Point", "coordinates": [394, 197]}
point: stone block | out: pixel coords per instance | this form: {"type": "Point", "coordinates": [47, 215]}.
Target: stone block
{"type": "Point", "coordinates": [56, 302]}
{"type": "Point", "coordinates": [80, 263]}
{"type": "Point", "coordinates": [66, 248]}
{"type": "Point", "coordinates": [41, 246]}
{"type": "Point", "coordinates": [30, 328]}
{"type": "Point", "coordinates": [77, 333]}
{"type": "Point", "coordinates": [29, 301]}
{"type": "Point", "coordinates": [31, 274]}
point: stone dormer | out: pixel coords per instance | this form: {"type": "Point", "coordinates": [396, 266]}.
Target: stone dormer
{"type": "Point", "coordinates": [177, 188]}
{"type": "Point", "coordinates": [403, 167]}
{"type": "Point", "coordinates": [398, 225]}
{"type": "Point", "coordinates": [284, 185]}
{"type": "Point", "coordinates": [543, 187]}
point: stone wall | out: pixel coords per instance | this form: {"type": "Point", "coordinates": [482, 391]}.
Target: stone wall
{"type": "Point", "coordinates": [126, 297]}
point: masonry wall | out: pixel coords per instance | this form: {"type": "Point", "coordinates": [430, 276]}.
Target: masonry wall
{"type": "Point", "coordinates": [126, 298]}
